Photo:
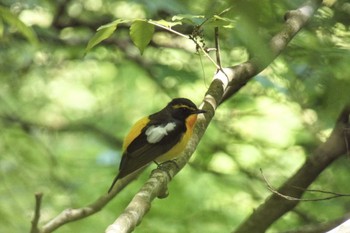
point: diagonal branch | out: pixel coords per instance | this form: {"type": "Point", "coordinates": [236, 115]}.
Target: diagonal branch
{"type": "Point", "coordinates": [331, 195]}
{"type": "Point", "coordinates": [295, 20]}
{"type": "Point", "coordinates": [70, 215]}
{"type": "Point", "coordinates": [226, 82]}
{"type": "Point", "coordinates": [276, 206]}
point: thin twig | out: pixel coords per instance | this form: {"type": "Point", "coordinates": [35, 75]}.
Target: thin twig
{"type": "Point", "coordinates": [167, 28]}
{"type": "Point", "coordinates": [70, 215]}
{"type": "Point", "coordinates": [207, 55]}
{"type": "Point", "coordinates": [333, 194]}
{"type": "Point", "coordinates": [218, 54]}
{"type": "Point", "coordinates": [186, 36]}
{"type": "Point", "coordinates": [347, 131]}
{"type": "Point", "coordinates": [36, 217]}
{"type": "Point", "coordinates": [225, 11]}
{"type": "Point", "coordinates": [217, 46]}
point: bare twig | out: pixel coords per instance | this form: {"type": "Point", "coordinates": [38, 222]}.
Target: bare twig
{"type": "Point", "coordinates": [167, 28]}
{"type": "Point", "coordinates": [290, 198]}
{"type": "Point", "coordinates": [277, 205]}
{"type": "Point", "coordinates": [36, 217]}
{"type": "Point", "coordinates": [217, 46]}
{"type": "Point", "coordinates": [70, 215]}
{"type": "Point", "coordinates": [206, 54]}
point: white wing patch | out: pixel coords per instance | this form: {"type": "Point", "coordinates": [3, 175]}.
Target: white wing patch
{"type": "Point", "coordinates": [156, 133]}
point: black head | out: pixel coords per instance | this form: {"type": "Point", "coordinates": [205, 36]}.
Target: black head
{"type": "Point", "coordinates": [181, 108]}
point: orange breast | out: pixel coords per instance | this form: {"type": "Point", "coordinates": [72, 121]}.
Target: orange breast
{"type": "Point", "coordinates": [179, 147]}
{"type": "Point", "coordinates": [190, 121]}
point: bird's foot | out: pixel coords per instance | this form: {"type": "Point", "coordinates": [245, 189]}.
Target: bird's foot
{"type": "Point", "coordinates": [167, 167]}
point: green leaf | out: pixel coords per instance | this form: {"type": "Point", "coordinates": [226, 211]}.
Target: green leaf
{"type": "Point", "coordinates": [165, 23]}
{"type": "Point", "coordinates": [189, 19]}
{"type": "Point", "coordinates": [141, 33]}
{"type": "Point", "coordinates": [14, 21]}
{"type": "Point", "coordinates": [218, 21]}
{"type": "Point", "coordinates": [113, 24]}
{"type": "Point", "coordinates": [103, 32]}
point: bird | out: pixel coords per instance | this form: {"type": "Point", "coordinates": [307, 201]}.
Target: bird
{"type": "Point", "coordinates": [158, 137]}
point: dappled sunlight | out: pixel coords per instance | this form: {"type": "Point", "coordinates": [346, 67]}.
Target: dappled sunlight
{"type": "Point", "coordinates": [222, 163]}
{"type": "Point", "coordinates": [38, 16]}
{"type": "Point", "coordinates": [271, 123]}
{"type": "Point", "coordinates": [127, 10]}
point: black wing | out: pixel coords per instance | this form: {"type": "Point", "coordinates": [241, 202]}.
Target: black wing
{"type": "Point", "coordinates": [140, 152]}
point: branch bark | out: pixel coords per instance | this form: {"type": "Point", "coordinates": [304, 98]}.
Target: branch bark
{"type": "Point", "coordinates": [36, 217]}
{"type": "Point", "coordinates": [276, 206]}
{"type": "Point", "coordinates": [70, 215]}
{"type": "Point", "coordinates": [295, 20]}
{"type": "Point", "coordinates": [342, 228]}
{"type": "Point", "coordinates": [226, 82]}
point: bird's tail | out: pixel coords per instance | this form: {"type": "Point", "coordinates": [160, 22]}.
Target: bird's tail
{"type": "Point", "coordinates": [113, 183]}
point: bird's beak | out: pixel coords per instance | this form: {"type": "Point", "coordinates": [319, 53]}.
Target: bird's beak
{"type": "Point", "coordinates": [198, 111]}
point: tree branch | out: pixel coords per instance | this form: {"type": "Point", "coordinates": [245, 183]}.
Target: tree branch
{"type": "Point", "coordinates": [331, 195]}
{"type": "Point", "coordinates": [226, 82]}
{"type": "Point", "coordinates": [276, 206]}
{"type": "Point", "coordinates": [294, 21]}
{"type": "Point", "coordinates": [342, 228]}
{"type": "Point", "coordinates": [70, 215]}
{"type": "Point", "coordinates": [36, 217]}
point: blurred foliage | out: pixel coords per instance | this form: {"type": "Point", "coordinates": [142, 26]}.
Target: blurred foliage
{"type": "Point", "coordinates": [63, 115]}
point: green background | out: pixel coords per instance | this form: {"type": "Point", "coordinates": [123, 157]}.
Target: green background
{"type": "Point", "coordinates": [63, 114]}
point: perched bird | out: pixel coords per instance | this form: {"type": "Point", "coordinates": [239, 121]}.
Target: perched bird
{"type": "Point", "coordinates": [158, 137]}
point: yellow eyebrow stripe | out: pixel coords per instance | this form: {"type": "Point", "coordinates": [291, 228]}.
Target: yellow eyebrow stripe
{"type": "Point", "coordinates": [183, 106]}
